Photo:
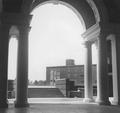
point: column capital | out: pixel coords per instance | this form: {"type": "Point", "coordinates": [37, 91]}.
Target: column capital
{"type": "Point", "coordinates": [87, 44]}
{"type": "Point", "coordinates": [24, 29]}
{"type": "Point", "coordinates": [19, 31]}
{"type": "Point", "coordinates": [99, 29]}
{"type": "Point", "coordinates": [92, 33]}
{"type": "Point", "coordinates": [111, 37]}
{"type": "Point", "coordinates": [23, 32]}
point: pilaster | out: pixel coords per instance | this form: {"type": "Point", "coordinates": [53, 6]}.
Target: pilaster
{"type": "Point", "coordinates": [4, 42]}
{"type": "Point", "coordinates": [112, 38]}
{"type": "Point", "coordinates": [118, 64]}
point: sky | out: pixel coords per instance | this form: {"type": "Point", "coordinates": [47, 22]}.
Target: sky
{"type": "Point", "coordinates": [54, 37]}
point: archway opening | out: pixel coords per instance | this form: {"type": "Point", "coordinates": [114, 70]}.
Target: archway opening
{"type": "Point", "coordinates": [55, 36]}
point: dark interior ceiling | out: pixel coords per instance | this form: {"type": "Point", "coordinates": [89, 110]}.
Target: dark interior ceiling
{"type": "Point", "coordinates": [112, 6]}
{"type": "Point", "coordinates": [113, 9]}
{"type": "Point", "coordinates": [12, 6]}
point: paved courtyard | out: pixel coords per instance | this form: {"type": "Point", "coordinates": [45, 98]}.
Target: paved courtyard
{"type": "Point", "coordinates": [60, 105]}
{"type": "Point", "coordinates": [63, 108]}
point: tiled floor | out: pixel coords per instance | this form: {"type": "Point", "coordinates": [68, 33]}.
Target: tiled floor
{"type": "Point", "coordinates": [62, 108]}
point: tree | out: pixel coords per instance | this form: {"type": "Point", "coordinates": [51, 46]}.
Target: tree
{"type": "Point", "coordinates": [36, 82]}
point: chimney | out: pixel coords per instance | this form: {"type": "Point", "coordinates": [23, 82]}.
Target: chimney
{"type": "Point", "coordinates": [70, 62]}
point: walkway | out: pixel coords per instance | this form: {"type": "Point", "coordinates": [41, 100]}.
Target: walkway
{"type": "Point", "coordinates": [60, 105]}
{"type": "Point", "coordinates": [62, 108]}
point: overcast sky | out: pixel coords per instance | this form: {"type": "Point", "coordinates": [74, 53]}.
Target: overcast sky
{"type": "Point", "coordinates": [55, 36]}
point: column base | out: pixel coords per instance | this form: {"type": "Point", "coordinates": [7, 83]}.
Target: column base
{"type": "Point", "coordinates": [21, 104]}
{"type": "Point", "coordinates": [118, 101]}
{"type": "Point", "coordinates": [88, 100]}
{"type": "Point", "coordinates": [102, 102]}
{"type": "Point", "coordinates": [114, 101]}
{"type": "Point", "coordinates": [3, 104]}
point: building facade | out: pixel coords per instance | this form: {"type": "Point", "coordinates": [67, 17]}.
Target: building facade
{"type": "Point", "coordinates": [69, 71]}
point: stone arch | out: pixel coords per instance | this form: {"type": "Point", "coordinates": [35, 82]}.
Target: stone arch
{"type": "Point", "coordinates": [89, 11]}
{"type": "Point", "coordinates": [99, 10]}
{"type": "Point", "coordinates": [67, 5]}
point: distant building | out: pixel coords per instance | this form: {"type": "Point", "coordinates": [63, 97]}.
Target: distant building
{"type": "Point", "coordinates": [11, 89]}
{"type": "Point", "coordinates": [70, 71]}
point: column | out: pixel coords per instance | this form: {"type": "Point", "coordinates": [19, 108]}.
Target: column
{"type": "Point", "coordinates": [118, 64]}
{"type": "Point", "coordinates": [4, 40]}
{"type": "Point", "coordinates": [22, 68]}
{"type": "Point", "coordinates": [102, 77]}
{"type": "Point", "coordinates": [88, 87]}
{"type": "Point", "coordinates": [114, 70]}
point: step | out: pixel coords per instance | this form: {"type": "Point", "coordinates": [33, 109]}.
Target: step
{"type": "Point", "coordinates": [44, 92]}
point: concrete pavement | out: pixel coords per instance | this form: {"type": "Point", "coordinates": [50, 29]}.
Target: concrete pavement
{"type": "Point", "coordinates": [62, 108]}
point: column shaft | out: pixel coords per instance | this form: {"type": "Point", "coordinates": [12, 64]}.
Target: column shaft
{"type": "Point", "coordinates": [22, 69]}
{"type": "Point", "coordinates": [114, 71]}
{"type": "Point", "coordinates": [88, 87]}
{"type": "Point", "coordinates": [102, 77]}
{"type": "Point", "coordinates": [118, 64]}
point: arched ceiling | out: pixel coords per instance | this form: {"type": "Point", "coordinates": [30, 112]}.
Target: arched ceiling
{"type": "Point", "coordinates": [112, 8]}
{"type": "Point", "coordinates": [81, 6]}
{"type": "Point", "coordinates": [12, 6]}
